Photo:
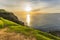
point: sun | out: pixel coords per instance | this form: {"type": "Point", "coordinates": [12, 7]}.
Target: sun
{"type": "Point", "coordinates": [28, 9]}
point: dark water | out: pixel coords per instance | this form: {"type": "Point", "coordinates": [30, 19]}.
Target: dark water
{"type": "Point", "coordinates": [46, 22]}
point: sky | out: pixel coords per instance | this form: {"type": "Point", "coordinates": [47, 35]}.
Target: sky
{"type": "Point", "coordinates": [38, 5]}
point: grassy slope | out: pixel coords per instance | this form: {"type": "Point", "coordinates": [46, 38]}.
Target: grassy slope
{"type": "Point", "coordinates": [14, 27]}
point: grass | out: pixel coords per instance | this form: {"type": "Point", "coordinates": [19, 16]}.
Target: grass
{"type": "Point", "coordinates": [1, 24]}
{"type": "Point", "coordinates": [14, 27]}
{"type": "Point", "coordinates": [9, 23]}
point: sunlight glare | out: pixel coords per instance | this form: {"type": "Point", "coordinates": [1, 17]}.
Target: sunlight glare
{"type": "Point", "coordinates": [28, 9]}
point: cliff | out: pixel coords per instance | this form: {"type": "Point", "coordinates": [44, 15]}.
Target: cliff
{"type": "Point", "coordinates": [10, 16]}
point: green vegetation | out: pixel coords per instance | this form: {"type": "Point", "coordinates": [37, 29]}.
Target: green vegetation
{"type": "Point", "coordinates": [14, 27]}
{"type": "Point", "coordinates": [1, 24]}
{"type": "Point", "coordinates": [9, 23]}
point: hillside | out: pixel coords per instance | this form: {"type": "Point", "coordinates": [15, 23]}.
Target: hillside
{"type": "Point", "coordinates": [10, 16]}
{"type": "Point", "coordinates": [12, 31]}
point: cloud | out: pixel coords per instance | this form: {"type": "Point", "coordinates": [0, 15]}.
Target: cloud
{"type": "Point", "coordinates": [35, 4]}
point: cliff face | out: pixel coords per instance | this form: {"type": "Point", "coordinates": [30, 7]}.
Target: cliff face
{"type": "Point", "coordinates": [10, 16]}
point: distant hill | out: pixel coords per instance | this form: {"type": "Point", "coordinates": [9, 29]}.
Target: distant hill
{"type": "Point", "coordinates": [10, 16]}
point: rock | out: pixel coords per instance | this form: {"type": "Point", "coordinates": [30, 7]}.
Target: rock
{"type": "Point", "coordinates": [10, 16]}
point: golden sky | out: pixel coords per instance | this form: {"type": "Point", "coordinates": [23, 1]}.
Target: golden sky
{"type": "Point", "coordinates": [50, 6]}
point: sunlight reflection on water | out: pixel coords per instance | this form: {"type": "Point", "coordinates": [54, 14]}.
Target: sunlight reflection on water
{"type": "Point", "coordinates": [28, 19]}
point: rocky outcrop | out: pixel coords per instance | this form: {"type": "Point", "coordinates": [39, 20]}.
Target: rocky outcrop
{"type": "Point", "coordinates": [10, 16]}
